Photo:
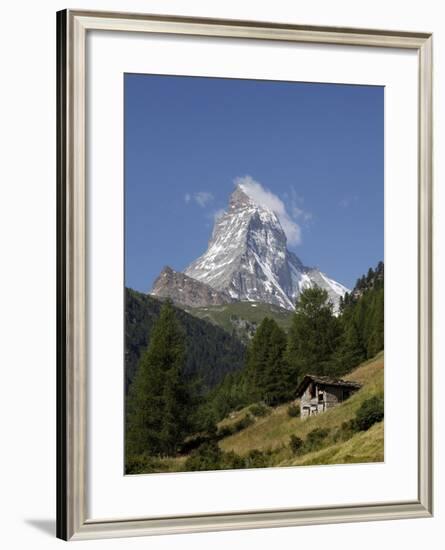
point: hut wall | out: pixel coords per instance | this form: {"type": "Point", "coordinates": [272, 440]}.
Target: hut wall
{"type": "Point", "coordinates": [332, 396]}
{"type": "Point", "coordinates": [309, 403]}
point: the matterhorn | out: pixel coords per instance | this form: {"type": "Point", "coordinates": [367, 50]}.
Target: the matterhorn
{"type": "Point", "coordinates": [247, 260]}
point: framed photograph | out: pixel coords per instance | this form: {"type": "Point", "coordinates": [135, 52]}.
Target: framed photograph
{"type": "Point", "coordinates": [244, 274]}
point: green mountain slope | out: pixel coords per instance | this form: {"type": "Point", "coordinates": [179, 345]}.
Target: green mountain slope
{"type": "Point", "coordinates": [242, 318]}
{"type": "Point", "coordinates": [264, 441]}
{"type": "Point", "coordinates": [273, 432]}
{"type": "Point", "coordinates": [211, 352]}
{"type": "Point", "coordinates": [361, 448]}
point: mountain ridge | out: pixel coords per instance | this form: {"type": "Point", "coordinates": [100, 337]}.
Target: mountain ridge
{"type": "Point", "coordinates": [247, 259]}
{"type": "Point", "coordinates": [186, 291]}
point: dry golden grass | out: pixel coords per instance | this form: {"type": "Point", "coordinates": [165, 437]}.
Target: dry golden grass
{"type": "Point", "coordinates": [366, 372]}
{"type": "Point", "coordinates": [362, 447]}
{"type": "Point", "coordinates": [274, 431]}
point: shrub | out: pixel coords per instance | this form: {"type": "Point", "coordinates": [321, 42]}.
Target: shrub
{"type": "Point", "coordinates": [349, 425]}
{"type": "Point", "coordinates": [370, 412]}
{"type": "Point", "coordinates": [244, 422]}
{"type": "Point", "coordinates": [141, 464]}
{"type": "Point", "coordinates": [225, 431]}
{"type": "Point", "coordinates": [260, 410]}
{"type": "Point", "coordinates": [315, 438]}
{"type": "Point", "coordinates": [230, 429]}
{"type": "Point", "coordinates": [231, 461]}
{"type": "Point", "coordinates": [296, 444]}
{"type": "Point", "coordinates": [346, 430]}
{"type": "Point", "coordinates": [193, 442]}
{"type": "Point", "coordinates": [210, 457]}
{"type": "Point", "coordinates": [257, 459]}
{"type": "Point", "coordinates": [293, 411]}
{"type": "Point", "coordinates": [206, 457]}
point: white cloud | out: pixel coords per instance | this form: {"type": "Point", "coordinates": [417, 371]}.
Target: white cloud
{"type": "Point", "coordinates": [296, 208]}
{"type": "Point", "coordinates": [202, 198]}
{"type": "Point", "coordinates": [262, 196]}
{"type": "Point", "coordinates": [298, 212]}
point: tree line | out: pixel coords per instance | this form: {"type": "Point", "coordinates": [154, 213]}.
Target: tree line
{"type": "Point", "coordinates": [163, 407]}
{"type": "Point", "coordinates": [205, 344]}
{"type": "Point", "coordinates": [318, 342]}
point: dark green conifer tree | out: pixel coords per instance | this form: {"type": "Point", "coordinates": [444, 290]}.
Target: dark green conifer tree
{"type": "Point", "coordinates": [266, 369]}
{"type": "Point", "coordinates": [275, 385]}
{"type": "Point", "coordinates": [158, 407]}
{"type": "Point", "coordinates": [362, 321]}
{"type": "Point", "coordinates": [313, 336]}
{"type": "Point", "coordinates": [351, 350]}
{"type": "Point", "coordinates": [257, 359]}
{"type": "Point", "coordinates": [376, 333]}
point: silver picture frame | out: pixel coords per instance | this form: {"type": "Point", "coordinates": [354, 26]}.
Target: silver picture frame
{"type": "Point", "coordinates": [72, 520]}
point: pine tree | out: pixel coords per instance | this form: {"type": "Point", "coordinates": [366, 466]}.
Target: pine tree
{"type": "Point", "coordinates": [276, 386]}
{"type": "Point", "coordinates": [158, 402]}
{"type": "Point", "coordinates": [257, 359]}
{"type": "Point", "coordinates": [362, 321]}
{"type": "Point", "coordinates": [351, 351]}
{"type": "Point", "coordinates": [267, 372]}
{"type": "Point", "coordinates": [376, 334]}
{"type": "Point", "coordinates": [342, 303]}
{"type": "Point", "coordinates": [380, 270]}
{"type": "Point", "coordinates": [313, 336]}
{"type": "Point", "coordinates": [232, 392]}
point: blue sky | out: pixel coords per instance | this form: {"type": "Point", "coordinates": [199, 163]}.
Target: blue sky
{"type": "Point", "coordinates": [317, 147]}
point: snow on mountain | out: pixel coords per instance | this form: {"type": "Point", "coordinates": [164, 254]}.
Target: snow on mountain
{"type": "Point", "coordinates": [248, 258]}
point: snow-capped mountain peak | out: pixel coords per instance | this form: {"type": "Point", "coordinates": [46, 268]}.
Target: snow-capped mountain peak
{"type": "Point", "coordinates": [240, 198]}
{"type": "Point", "coordinates": [248, 258]}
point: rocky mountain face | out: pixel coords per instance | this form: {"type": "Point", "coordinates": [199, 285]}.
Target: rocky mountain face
{"type": "Point", "coordinates": [247, 260]}
{"type": "Point", "coordinates": [185, 291]}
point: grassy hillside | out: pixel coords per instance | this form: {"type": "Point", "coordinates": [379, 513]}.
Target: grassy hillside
{"type": "Point", "coordinates": [265, 440]}
{"type": "Point", "coordinates": [273, 432]}
{"type": "Point", "coordinates": [362, 447]}
{"type": "Point", "coordinates": [242, 318]}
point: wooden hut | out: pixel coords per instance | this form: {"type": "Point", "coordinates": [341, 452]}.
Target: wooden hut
{"type": "Point", "coordinates": [320, 393]}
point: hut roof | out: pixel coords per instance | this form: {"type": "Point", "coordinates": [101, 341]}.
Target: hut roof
{"type": "Point", "coordinates": [327, 381]}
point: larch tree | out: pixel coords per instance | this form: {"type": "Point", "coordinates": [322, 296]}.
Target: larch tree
{"type": "Point", "coordinates": [314, 334]}
{"type": "Point", "coordinates": [276, 386]}
{"type": "Point", "coordinates": [159, 401]}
